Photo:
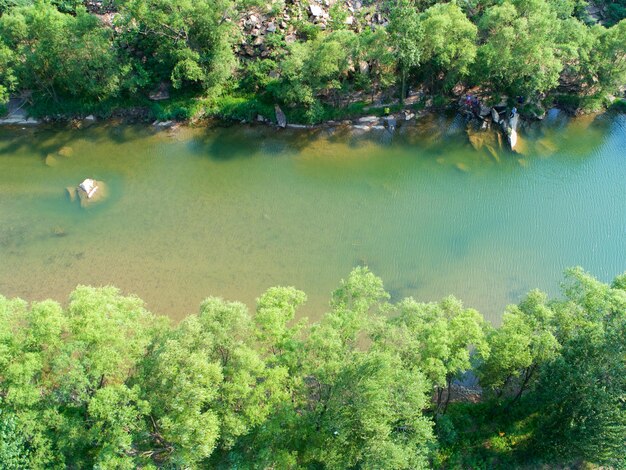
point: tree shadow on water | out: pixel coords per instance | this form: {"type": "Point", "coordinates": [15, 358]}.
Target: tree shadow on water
{"type": "Point", "coordinates": [238, 142]}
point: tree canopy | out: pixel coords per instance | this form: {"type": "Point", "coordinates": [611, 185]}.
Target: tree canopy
{"type": "Point", "coordinates": [208, 54]}
{"type": "Point", "coordinates": [103, 383]}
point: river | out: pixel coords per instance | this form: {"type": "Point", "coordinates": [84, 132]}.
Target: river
{"type": "Point", "coordinates": [232, 211]}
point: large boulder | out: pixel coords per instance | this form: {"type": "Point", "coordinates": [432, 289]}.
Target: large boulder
{"type": "Point", "coordinates": [281, 119]}
{"type": "Point", "coordinates": [316, 11]}
{"type": "Point", "coordinates": [368, 120]}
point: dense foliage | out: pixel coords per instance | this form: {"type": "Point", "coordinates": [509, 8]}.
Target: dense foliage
{"type": "Point", "coordinates": [101, 55]}
{"type": "Point", "coordinates": [103, 383]}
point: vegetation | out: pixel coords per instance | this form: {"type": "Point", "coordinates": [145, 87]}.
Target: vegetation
{"type": "Point", "coordinates": [84, 57]}
{"type": "Point", "coordinates": [103, 383]}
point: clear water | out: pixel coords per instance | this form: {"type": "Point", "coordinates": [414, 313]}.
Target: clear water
{"type": "Point", "coordinates": [232, 211]}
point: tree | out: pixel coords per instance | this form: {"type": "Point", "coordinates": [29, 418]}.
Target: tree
{"type": "Point", "coordinates": [13, 444]}
{"type": "Point", "coordinates": [41, 37]}
{"type": "Point", "coordinates": [364, 406]}
{"type": "Point", "coordinates": [449, 48]}
{"type": "Point", "coordinates": [438, 339]}
{"type": "Point", "coordinates": [519, 51]}
{"type": "Point", "coordinates": [582, 414]}
{"type": "Point", "coordinates": [372, 417]}
{"type": "Point", "coordinates": [610, 55]}
{"type": "Point", "coordinates": [406, 34]}
{"type": "Point", "coordinates": [65, 374]}
{"type": "Point", "coordinates": [189, 42]}
{"type": "Point", "coordinates": [525, 340]}
{"type": "Point", "coordinates": [316, 68]}
{"type": "Point", "coordinates": [207, 386]}
{"type": "Point", "coordinates": [279, 340]}
{"type": "Point", "coordinates": [380, 62]}
{"type": "Point", "coordinates": [8, 80]}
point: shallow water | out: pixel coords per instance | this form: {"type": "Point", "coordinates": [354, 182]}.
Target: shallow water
{"type": "Point", "coordinates": [232, 211]}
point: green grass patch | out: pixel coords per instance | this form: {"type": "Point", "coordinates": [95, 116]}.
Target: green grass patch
{"type": "Point", "coordinates": [239, 108]}
{"type": "Point", "coordinates": [70, 108]}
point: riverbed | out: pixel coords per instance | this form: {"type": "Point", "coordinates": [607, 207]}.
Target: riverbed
{"type": "Point", "coordinates": [229, 212]}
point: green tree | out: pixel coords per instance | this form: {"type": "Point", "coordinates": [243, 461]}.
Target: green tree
{"type": "Point", "coordinates": [8, 80]}
{"type": "Point", "coordinates": [41, 37]}
{"type": "Point", "coordinates": [525, 340]}
{"type": "Point", "coordinates": [207, 385]}
{"type": "Point", "coordinates": [63, 371]}
{"type": "Point", "coordinates": [406, 34]}
{"type": "Point", "coordinates": [519, 50]}
{"type": "Point", "coordinates": [438, 339]}
{"type": "Point", "coordinates": [13, 444]}
{"type": "Point", "coordinates": [373, 51]}
{"type": "Point", "coordinates": [450, 45]}
{"type": "Point", "coordinates": [188, 42]}
{"type": "Point", "coordinates": [582, 413]}
{"type": "Point", "coordinates": [316, 68]}
{"type": "Point", "coordinates": [364, 406]}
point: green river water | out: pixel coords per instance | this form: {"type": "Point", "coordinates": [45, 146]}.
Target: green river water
{"type": "Point", "coordinates": [232, 211]}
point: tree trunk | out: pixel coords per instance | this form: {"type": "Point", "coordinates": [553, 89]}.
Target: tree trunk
{"type": "Point", "coordinates": [527, 375]}
{"type": "Point", "coordinates": [449, 388]}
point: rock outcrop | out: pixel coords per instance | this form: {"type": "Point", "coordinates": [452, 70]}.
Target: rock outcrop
{"type": "Point", "coordinates": [281, 119]}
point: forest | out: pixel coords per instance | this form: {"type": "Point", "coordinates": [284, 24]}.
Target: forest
{"type": "Point", "coordinates": [100, 382]}
{"type": "Point", "coordinates": [237, 59]}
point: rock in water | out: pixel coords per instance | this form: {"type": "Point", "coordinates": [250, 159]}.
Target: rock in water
{"type": "Point", "coordinates": [512, 134]}
{"type": "Point", "coordinates": [66, 151]}
{"type": "Point", "coordinates": [71, 192]}
{"type": "Point", "coordinates": [477, 139]}
{"type": "Point", "coordinates": [513, 139]}
{"type": "Point", "coordinates": [50, 160]}
{"type": "Point", "coordinates": [492, 152]}
{"type": "Point", "coordinates": [495, 116]}
{"type": "Point", "coordinates": [462, 167]}
{"type": "Point", "coordinates": [59, 232]}
{"type": "Point", "coordinates": [281, 119]}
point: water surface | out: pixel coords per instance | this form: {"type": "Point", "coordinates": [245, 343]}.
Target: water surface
{"type": "Point", "coordinates": [232, 211]}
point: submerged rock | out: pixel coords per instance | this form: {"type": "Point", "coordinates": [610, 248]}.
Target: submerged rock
{"type": "Point", "coordinates": [476, 139]}
{"type": "Point", "coordinates": [59, 232]}
{"type": "Point", "coordinates": [71, 192]}
{"type": "Point", "coordinates": [66, 151]}
{"type": "Point", "coordinates": [50, 160]}
{"type": "Point", "coordinates": [462, 167]}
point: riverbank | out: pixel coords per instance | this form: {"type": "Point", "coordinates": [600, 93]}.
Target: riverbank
{"type": "Point", "coordinates": [185, 110]}
{"type": "Point", "coordinates": [486, 120]}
